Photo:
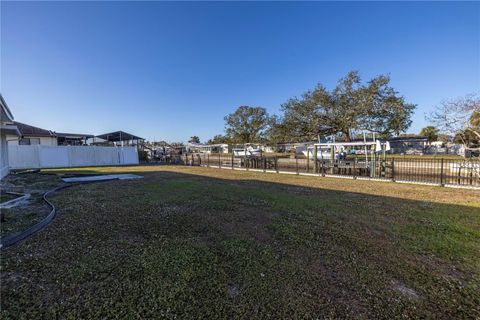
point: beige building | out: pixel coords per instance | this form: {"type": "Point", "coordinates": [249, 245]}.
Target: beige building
{"type": "Point", "coordinates": [30, 135]}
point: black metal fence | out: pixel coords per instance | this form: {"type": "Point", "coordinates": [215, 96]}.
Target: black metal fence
{"type": "Point", "coordinates": [426, 170]}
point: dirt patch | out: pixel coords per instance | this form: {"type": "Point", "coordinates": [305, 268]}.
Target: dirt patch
{"type": "Point", "coordinates": [444, 269]}
{"type": "Point", "coordinates": [233, 291]}
{"type": "Point", "coordinates": [404, 290]}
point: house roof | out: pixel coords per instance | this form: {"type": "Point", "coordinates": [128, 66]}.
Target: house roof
{"type": "Point", "coordinates": [5, 113]}
{"type": "Point", "coordinates": [31, 131]}
{"type": "Point", "coordinates": [119, 136]}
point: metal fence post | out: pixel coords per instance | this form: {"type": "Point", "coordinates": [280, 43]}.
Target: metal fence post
{"type": "Point", "coordinates": [208, 160]}
{"type": "Point", "coordinates": [232, 161]}
{"type": "Point", "coordinates": [296, 163]}
{"type": "Point", "coordinates": [355, 168]}
{"type": "Point", "coordinates": [219, 161]}
{"type": "Point", "coordinates": [245, 156]}
{"type": "Point", "coordinates": [393, 169]}
{"type": "Point", "coordinates": [442, 182]}
{"type": "Point", "coordinates": [459, 179]}
{"type": "Point", "coordinates": [471, 175]}
{"type": "Point", "coordinates": [308, 162]}
{"type": "Point", "coordinates": [276, 164]}
{"type": "Point", "coordinates": [264, 164]}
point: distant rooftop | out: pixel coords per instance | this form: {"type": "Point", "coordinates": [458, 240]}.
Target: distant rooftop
{"type": "Point", "coordinates": [73, 135]}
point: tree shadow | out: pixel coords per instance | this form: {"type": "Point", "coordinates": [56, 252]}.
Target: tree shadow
{"type": "Point", "coordinates": [249, 248]}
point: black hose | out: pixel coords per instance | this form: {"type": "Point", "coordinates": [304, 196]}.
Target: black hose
{"type": "Point", "coordinates": [14, 238]}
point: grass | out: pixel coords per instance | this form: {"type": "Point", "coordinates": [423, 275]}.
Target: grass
{"type": "Point", "coordinates": [5, 197]}
{"type": "Point", "coordinates": [29, 211]}
{"type": "Point", "coordinates": [196, 242]}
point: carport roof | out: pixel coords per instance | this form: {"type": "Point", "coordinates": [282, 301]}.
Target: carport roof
{"type": "Point", "coordinates": [119, 136]}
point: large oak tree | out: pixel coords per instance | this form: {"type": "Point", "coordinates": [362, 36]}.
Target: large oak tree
{"type": "Point", "coordinates": [247, 124]}
{"type": "Point", "coordinates": [350, 107]}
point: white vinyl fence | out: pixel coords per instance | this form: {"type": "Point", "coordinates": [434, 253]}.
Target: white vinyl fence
{"type": "Point", "coordinates": [41, 156]}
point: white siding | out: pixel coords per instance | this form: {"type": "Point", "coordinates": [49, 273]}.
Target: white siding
{"type": "Point", "coordinates": [48, 141]}
{"type": "Point", "coordinates": [3, 156]}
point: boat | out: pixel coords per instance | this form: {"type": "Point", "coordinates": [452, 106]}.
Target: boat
{"type": "Point", "coordinates": [322, 154]}
{"type": "Point", "coordinates": [326, 150]}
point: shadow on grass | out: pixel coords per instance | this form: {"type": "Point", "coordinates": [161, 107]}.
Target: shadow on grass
{"type": "Point", "coordinates": [191, 246]}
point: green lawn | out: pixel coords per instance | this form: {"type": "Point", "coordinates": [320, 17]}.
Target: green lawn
{"type": "Point", "coordinates": [207, 243]}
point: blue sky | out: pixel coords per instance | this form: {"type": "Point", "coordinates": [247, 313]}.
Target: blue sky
{"type": "Point", "coordinates": [169, 70]}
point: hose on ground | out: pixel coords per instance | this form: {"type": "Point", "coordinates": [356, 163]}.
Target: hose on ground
{"type": "Point", "coordinates": [10, 240]}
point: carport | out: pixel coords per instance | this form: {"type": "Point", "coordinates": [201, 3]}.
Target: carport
{"type": "Point", "coordinates": [121, 138]}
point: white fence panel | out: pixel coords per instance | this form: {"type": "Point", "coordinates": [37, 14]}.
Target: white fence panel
{"type": "Point", "coordinates": [53, 156]}
{"type": "Point", "coordinates": [40, 156]}
{"type": "Point", "coordinates": [130, 155]}
{"type": "Point", "coordinates": [23, 157]}
{"type": "Point", "coordinates": [107, 156]}
{"type": "Point", "coordinates": [80, 156]}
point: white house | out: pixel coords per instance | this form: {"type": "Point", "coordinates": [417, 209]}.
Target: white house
{"type": "Point", "coordinates": [7, 127]}
{"type": "Point", "coordinates": [30, 135]}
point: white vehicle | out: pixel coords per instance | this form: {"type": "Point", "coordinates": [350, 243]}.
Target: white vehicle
{"type": "Point", "coordinates": [250, 152]}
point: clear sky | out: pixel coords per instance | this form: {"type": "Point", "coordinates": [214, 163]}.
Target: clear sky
{"type": "Point", "coordinates": [171, 70]}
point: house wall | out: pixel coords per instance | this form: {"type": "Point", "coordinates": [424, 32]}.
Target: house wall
{"type": "Point", "coordinates": [407, 147]}
{"type": "Point", "coordinates": [4, 168]}
{"type": "Point", "coordinates": [44, 141]}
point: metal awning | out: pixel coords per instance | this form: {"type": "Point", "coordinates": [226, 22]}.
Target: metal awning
{"type": "Point", "coordinates": [10, 129]}
{"type": "Point", "coordinates": [118, 136]}
{"type": "Point", "coordinates": [346, 144]}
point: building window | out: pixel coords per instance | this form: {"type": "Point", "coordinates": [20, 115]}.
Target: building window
{"type": "Point", "coordinates": [29, 141]}
{"type": "Point", "coordinates": [24, 142]}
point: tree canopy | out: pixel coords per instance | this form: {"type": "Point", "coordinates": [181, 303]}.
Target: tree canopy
{"type": "Point", "coordinates": [218, 139]}
{"type": "Point", "coordinates": [247, 124]}
{"type": "Point", "coordinates": [431, 132]}
{"type": "Point", "coordinates": [350, 107]}
{"type": "Point", "coordinates": [459, 117]}
{"type": "Point", "coordinates": [194, 139]}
